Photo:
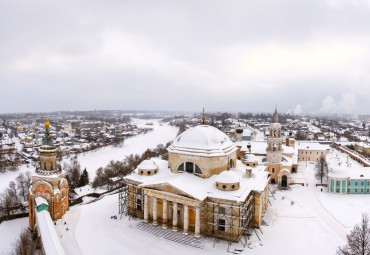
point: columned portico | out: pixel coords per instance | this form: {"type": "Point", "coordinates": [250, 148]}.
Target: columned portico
{"type": "Point", "coordinates": [175, 201]}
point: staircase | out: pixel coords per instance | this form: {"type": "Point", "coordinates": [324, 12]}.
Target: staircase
{"type": "Point", "coordinates": [268, 216]}
{"type": "Point", "coordinates": [168, 234]}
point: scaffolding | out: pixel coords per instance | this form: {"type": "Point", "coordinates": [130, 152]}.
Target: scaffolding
{"type": "Point", "coordinates": [230, 222]}
{"type": "Point", "coordinates": [123, 201]}
{"type": "Point", "coordinates": [131, 201]}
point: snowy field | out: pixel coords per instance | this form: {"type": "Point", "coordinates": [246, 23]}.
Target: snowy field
{"type": "Point", "coordinates": [9, 231]}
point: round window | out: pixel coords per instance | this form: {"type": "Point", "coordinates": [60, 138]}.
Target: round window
{"type": "Point", "coordinates": [155, 171]}
{"type": "Point", "coordinates": [224, 186]}
{"type": "Point", "coordinates": [149, 172]}
{"type": "Point", "coordinates": [233, 186]}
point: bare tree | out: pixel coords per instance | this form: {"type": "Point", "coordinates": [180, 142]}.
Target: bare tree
{"type": "Point", "coordinates": [8, 201]}
{"type": "Point", "coordinates": [24, 245]}
{"type": "Point", "coordinates": [22, 185]}
{"type": "Point", "coordinates": [321, 168]}
{"type": "Point", "coordinates": [358, 240]}
{"type": "Point", "coordinates": [13, 190]}
{"type": "Point", "coordinates": [73, 171]}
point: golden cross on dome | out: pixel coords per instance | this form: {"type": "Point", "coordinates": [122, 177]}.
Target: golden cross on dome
{"type": "Point", "coordinates": [47, 124]}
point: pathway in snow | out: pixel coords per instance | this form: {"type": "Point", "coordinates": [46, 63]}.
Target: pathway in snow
{"type": "Point", "coordinates": [321, 212]}
{"type": "Point", "coordinates": [68, 237]}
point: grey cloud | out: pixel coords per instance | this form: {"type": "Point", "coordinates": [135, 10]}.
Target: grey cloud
{"type": "Point", "coordinates": [169, 55]}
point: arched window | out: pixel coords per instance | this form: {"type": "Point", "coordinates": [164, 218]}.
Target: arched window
{"type": "Point", "coordinates": [189, 167]}
{"type": "Point", "coordinates": [197, 170]}
{"type": "Point", "coordinates": [44, 165]}
{"type": "Point", "coordinates": [181, 168]}
{"type": "Point", "coordinates": [231, 163]}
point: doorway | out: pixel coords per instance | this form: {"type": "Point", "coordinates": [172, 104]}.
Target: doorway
{"type": "Point", "coordinates": [284, 181]}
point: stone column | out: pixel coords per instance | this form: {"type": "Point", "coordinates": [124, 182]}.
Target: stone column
{"type": "Point", "coordinates": [164, 221]}
{"type": "Point", "coordinates": [174, 217]}
{"type": "Point", "coordinates": [155, 223]}
{"type": "Point", "coordinates": [146, 208]}
{"type": "Point", "coordinates": [186, 219]}
{"type": "Point", "coordinates": [197, 222]}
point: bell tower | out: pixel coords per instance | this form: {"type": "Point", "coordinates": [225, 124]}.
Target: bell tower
{"type": "Point", "coordinates": [274, 149]}
{"type": "Point", "coordinates": [48, 182]}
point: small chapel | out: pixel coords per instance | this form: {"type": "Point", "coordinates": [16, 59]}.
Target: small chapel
{"type": "Point", "coordinates": [49, 186]}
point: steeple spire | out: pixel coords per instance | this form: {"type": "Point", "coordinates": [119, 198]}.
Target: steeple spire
{"type": "Point", "coordinates": [203, 118]}
{"type": "Point", "coordinates": [275, 118]}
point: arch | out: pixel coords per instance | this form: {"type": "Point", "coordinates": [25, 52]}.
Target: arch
{"type": "Point", "coordinates": [189, 167]}
{"type": "Point", "coordinates": [284, 181]}
{"type": "Point", "coordinates": [197, 169]}
{"type": "Point", "coordinates": [231, 163]}
{"type": "Point", "coordinates": [180, 168]}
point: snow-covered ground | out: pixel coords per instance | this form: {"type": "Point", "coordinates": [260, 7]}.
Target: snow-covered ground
{"type": "Point", "coordinates": [136, 145]}
{"type": "Point", "coordinates": [9, 232]}
{"type": "Point", "coordinates": [6, 177]}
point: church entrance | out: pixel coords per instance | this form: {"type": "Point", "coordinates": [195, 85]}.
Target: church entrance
{"type": "Point", "coordinates": [284, 181]}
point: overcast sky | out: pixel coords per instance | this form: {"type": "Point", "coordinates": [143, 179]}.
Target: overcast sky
{"type": "Point", "coordinates": [303, 56]}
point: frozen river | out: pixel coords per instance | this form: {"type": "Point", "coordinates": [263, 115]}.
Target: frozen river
{"type": "Point", "coordinates": [161, 134]}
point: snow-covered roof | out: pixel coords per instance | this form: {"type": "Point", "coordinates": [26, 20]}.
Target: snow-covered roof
{"type": "Point", "coordinates": [48, 234]}
{"type": "Point", "coordinates": [350, 172]}
{"type": "Point", "coordinates": [228, 176]}
{"type": "Point", "coordinates": [203, 140]}
{"type": "Point", "coordinates": [147, 164]}
{"type": "Point", "coordinates": [250, 158]}
{"type": "Point", "coordinates": [312, 146]}
{"type": "Point", "coordinates": [201, 188]}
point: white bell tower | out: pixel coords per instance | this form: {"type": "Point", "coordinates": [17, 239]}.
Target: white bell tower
{"type": "Point", "coordinates": [274, 148]}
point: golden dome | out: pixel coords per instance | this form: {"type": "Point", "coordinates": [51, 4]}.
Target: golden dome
{"type": "Point", "coordinates": [47, 124]}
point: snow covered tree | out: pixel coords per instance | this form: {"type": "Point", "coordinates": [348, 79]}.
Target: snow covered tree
{"type": "Point", "coordinates": [321, 168]}
{"type": "Point", "coordinates": [358, 240]}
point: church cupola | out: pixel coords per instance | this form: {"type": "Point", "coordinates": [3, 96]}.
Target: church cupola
{"type": "Point", "coordinates": [48, 153]}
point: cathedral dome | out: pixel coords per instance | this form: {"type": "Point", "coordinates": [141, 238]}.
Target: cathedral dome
{"type": "Point", "coordinates": [203, 140]}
